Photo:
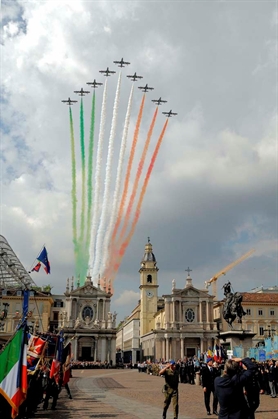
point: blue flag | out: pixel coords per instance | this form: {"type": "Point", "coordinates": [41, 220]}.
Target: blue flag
{"type": "Point", "coordinates": [43, 258]}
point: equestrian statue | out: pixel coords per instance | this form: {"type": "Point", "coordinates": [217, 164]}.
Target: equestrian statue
{"type": "Point", "coordinates": [232, 307]}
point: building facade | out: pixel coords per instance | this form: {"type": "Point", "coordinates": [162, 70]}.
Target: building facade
{"type": "Point", "coordinates": [261, 309]}
{"type": "Point", "coordinates": [172, 326]}
{"type": "Point", "coordinates": [85, 317]}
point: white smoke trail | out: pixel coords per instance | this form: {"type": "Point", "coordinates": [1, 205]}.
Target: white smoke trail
{"type": "Point", "coordinates": [107, 182]}
{"type": "Point", "coordinates": [118, 184]}
{"type": "Point", "coordinates": [98, 176]}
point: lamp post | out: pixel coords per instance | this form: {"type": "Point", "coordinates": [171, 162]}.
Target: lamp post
{"type": "Point", "coordinates": [269, 332]}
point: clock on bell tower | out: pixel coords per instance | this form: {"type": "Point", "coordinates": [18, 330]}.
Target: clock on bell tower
{"type": "Point", "coordinates": [148, 287]}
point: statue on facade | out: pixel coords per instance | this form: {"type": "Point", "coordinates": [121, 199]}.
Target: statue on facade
{"type": "Point", "coordinates": [232, 307]}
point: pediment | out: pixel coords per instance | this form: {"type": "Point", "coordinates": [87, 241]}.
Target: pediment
{"type": "Point", "coordinates": [193, 292]}
{"type": "Point", "coordinates": [88, 289]}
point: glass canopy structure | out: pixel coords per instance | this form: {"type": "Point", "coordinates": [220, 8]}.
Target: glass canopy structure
{"type": "Point", "coordinates": [12, 272]}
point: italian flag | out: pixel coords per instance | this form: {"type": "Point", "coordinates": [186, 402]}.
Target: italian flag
{"type": "Point", "coordinates": [13, 371]}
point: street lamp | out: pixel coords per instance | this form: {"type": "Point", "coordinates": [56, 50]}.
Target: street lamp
{"type": "Point", "coordinates": [269, 332]}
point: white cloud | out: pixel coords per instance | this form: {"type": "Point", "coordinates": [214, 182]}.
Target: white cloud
{"type": "Point", "coordinates": [212, 193]}
{"type": "Point", "coordinates": [127, 298]}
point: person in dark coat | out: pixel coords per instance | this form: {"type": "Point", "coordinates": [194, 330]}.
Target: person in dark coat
{"type": "Point", "coordinates": [253, 389]}
{"type": "Point", "coordinates": [209, 373]}
{"type": "Point", "coordinates": [229, 388]}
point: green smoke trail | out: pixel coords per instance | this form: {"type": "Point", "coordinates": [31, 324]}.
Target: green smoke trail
{"type": "Point", "coordinates": [73, 190]}
{"type": "Point", "coordinates": [90, 176]}
{"type": "Point", "coordinates": [81, 246]}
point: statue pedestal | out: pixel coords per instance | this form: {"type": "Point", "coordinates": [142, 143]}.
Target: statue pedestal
{"type": "Point", "coordinates": [234, 338]}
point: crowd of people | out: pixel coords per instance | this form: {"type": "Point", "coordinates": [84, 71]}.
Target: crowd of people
{"type": "Point", "coordinates": [231, 388]}
{"type": "Point", "coordinates": [43, 392]}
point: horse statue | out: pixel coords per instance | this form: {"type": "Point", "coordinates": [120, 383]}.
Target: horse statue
{"type": "Point", "coordinates": [233, 309]}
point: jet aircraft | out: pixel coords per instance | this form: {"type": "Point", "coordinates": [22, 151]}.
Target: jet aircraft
{"type": "Point", "coordinates": [145, 88]}
{"type": "Point", "coordinates": [94, 84]}
{"type": "Point", "coordinates": [134, 77]}
{"type": "Point", "coordinates": [69, 101]}
{"type": "Point", "coordinates": [121, 63]}
{"type": "Point", "coordinates": [107, 72]}
{"type": "Point", "coordinates": [169, 114]}
{"type": "Point", "coordinates": [81, 92]}
{"type": "Point", "coordinates": [159, 101]}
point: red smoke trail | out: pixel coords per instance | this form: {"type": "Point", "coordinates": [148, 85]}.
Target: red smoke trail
{"type": "Point", "coordinates": [137, 179]}
{"type": "Point", "coordinates": [129, 166]}
{"type": "Point", "coordinates": [126, 242]}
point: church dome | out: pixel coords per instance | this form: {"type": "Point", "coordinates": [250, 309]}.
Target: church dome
{"type": "Point", "coordinates": [148, 255]}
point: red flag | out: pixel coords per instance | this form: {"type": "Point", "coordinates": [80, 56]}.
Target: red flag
{"type": "Point", "coordinates": [37, 267]}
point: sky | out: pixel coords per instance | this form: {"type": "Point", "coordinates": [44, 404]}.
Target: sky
{"type": "Point", "coordinates": [212, 194]}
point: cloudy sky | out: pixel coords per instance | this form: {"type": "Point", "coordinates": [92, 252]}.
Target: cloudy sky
{"type": "Point", "coordinates": [212, 195]}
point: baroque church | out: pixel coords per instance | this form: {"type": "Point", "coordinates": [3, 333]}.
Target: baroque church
{"type": "Point", "coordinates": [176, 325]}
{"type": "Point", "coordinates": [85, 317]}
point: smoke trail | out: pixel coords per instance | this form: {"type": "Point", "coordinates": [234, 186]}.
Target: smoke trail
{"type": "Point", "coordinates": [82, 146]}
{"type": "Point", "coordinates": [138, 175]}
{"type": "Point", "coordinates": [73, 189]}
{"type": "Point", "coordinates": [130, 161]}
{"type": "Point", "coordinates": [139, 204]}
{"type": "Point", "coordinates": [107, 181]}
{"type": "Point", "coordinates": [97, 175]}
{"type": "Point", "coordinates": [116, 196]}
{"type": "Point", "coordinates": [90, 176]}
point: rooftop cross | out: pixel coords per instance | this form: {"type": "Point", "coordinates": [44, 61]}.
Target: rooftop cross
{"type": "Point", "coordinates": [149, 240]}
{"type": "Point", "coordinates": [188, 270]}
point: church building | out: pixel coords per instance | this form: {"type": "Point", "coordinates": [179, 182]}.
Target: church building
{"type": "Point", "coordinates": [175, 325]}
{"type": "Point", "coordinates": [84, 315]}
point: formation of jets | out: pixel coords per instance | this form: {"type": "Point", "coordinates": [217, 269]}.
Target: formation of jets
{"type": "Point", "coordinates": [107, 72]}
{"type": "Point", "coordinates": [159, 101]}
{"type": "Point", "coordinates": [169, 114]}
{"type": "Point", "coordinates": [145, 88]}
{"type": "Point", "coordinates": [121, 63]}
{"type": "Point", "coordinates": [94, 84]}
{"type": "Point", "coordinates": [81, 92]}
{"type": "Point", "coordinates": [134, 77]}
{"type": "Point", "coordinates": [69, 101]}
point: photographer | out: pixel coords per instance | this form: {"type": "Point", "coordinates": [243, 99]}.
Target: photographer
{"type": "Point", "coordinates": [170, 388]}
{"type": "Point", "coordinates": [229, 388]}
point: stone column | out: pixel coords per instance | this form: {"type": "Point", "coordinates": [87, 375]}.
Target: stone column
{"type": "Point", "coordinates": [167, 354]}
{"type": "Point", "coordinates": [207, 307]}
{"type": "Point", "coordinates": [74, 349]}
{"type": "Point", "coordinates": [163, 348]}
{"type": "Point", "coordinates": [108, 349]}
{"type": "Point", "coordinates": [208, 315]}
{"type": "Point", "coordinates": [180, 313]}
{"type": "Point", "coordinates": [167, 314]}
{"type": "Point", "coordinates": [103, 350]}
{"type": "Point", "coordinates": [200, 312]}
{"type": "Point", "coordinates": [182, 348]}
{"type": "Point", "coordinates": [202, 345]}
{"type": "Point", "coordinates": [174, 311]}
{"type": "Point", "coordinates": [96, 349]}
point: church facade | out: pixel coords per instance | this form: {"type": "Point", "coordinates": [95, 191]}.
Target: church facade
{"type": "Point", "coordinates": [175, 325]}
{"type": "Point", "coordinates": [85, 317]}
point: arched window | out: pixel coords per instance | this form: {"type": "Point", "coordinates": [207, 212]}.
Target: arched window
{"type": "Point", "coordinates": [149, 279]}
{"type": "Point", "coordinates": [87, 312]}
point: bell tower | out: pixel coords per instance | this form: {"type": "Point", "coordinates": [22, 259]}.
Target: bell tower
{"type": "Point", "coordinates": [148, 288]}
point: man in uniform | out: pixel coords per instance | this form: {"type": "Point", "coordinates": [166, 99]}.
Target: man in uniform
{"type": "Point", "coordinates": [170, 388]}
